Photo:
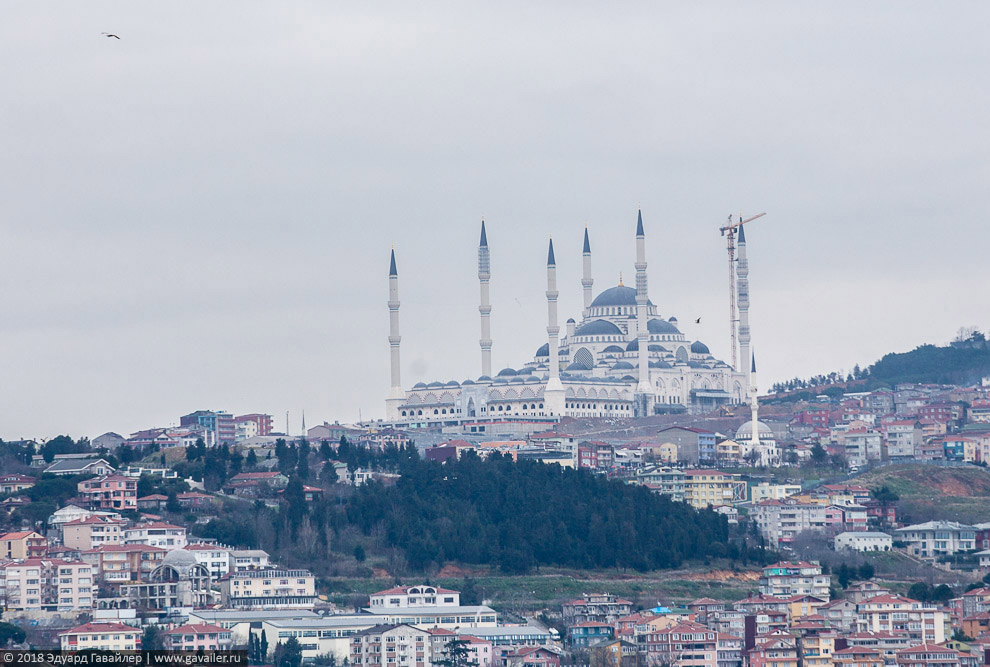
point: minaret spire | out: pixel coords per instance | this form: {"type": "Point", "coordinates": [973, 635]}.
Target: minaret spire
{"type": "Point", "coordinates": [742, 285]}
{"type": "Point", "coordinates": [586, 281]}
{"type": "Point", "coordinates": [754, 405]}
{"type": "Point", "coordinates": [396, 397]}
{"type": "Point", "coordinates": [553, 393]}
{"type": "Point", "coordinates": [484, 275]}
{"type": "Point", "coordinates": [645, 387]}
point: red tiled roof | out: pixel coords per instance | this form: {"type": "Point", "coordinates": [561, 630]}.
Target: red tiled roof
{"type": "Point", "coordinates": [99, 627]}
{"type": "Point", "coordinates": [196, 628]}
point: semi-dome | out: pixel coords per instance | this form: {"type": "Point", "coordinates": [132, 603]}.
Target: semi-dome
{"type": "Point", "coordinates": [633, 345]}
{"type": "Point", "coordinates": [697, 347]}
{"type": "Point", "coordinates": [621, 365]}
{"type": "Point", "coordinates": [578, 366]}
{"type": "Point", "coordinates": [543, 350]}
{"type": "Point", "coordinates": [658, 326]}
{"type": "Point", "coordinates": [599, 328]}
{"type": "Point", "coordinates": [507, 372]}
{"type": "Point", "coordinates": [613, 349]}
{"type": "Point", "coordinates": [745, 432]}
{"type": "Point", "coordinates": [657, 348]}
{"type": "Point", "coordinates": [525, 370]}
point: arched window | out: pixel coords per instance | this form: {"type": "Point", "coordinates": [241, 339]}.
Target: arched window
{"type": "Point", "coordinates": [403, 413]}
{"type": "Point", "coordinates": [435, 411]}
{"type": "Point", "coordinates": [420, 412]}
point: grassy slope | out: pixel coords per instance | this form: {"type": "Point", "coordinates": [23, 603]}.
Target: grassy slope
{"type": "Point", "coordinates": [933, 492]}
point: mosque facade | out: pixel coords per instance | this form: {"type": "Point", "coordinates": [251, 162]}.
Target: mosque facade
{"type": "Point", "coordinates": [622, 357]}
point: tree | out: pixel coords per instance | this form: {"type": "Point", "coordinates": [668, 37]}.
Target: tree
{"type": "Point", "coordinates": [172, 504]}
{"type": "Point", "coordinates": [359, 554]}
{"type": "Point", "coordinates": [252, 459]}
{"type": "Point", "coordinates": [819, 457]}
{"type": "Point", "coordinates": [264, 646]}
{"type": "Point", "coordinates": [920, 591]}
{"type": "Point", "coordinates": [884, 496]}
{"type": "Point", "coordinates": [10, 633]}
{"type": "Point", "coordinates": [865, 572]}
{"type": "Point", "coordinates": [325, 451]}
{"type": "Point", "coordinates": [152, 639]}
{"type": "Point", "coordinates": [288, 654]}
{"type": "Point", "coordinates": [302, 467]}
{"type": "Point", "coordinates": [456, 654]}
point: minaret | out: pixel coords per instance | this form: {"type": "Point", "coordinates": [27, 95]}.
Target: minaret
{"type": "Point", "coordinates": [553, 393]}
{"type": "Point", "coordinates": [742, 273]}
{"type": "Point", "coordinates": [642, 333]}
{"type": "Point", "coordinates": [754, 406]}
{"type": "Point", "coordinates": [587, 281]}
{"type": "Point", "coordinates": [484, 275]}
{"type": "Point", "coordinates": [396, 397]}
{"type": "Point", "coordinates": [303, 425]}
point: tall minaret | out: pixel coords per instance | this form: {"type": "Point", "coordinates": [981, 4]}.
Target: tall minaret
{"type": "Point", "coordinates": [642, 333]}
{"type": "Point", "coordinates": [587, 281]}
{"type": "Point", "coordinates": [303, 425]}
{"type": "Point", "coordinates": [742, 273]}
{"type": "Point", "coordinates": [553, 393]}
{"type": "Point", "coordinates": [484, 275]}
{"type": "Point", "coordinates": [754, 405]}
{"type": "Point", "coordinates": [396, 397]}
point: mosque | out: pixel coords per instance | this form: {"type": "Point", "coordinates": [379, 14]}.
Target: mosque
{"type": "Point", "coordinates": [623, 357]}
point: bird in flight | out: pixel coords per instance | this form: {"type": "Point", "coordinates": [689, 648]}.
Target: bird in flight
{"type": "Point", "coordinates": [698, 321]}
{"type": "Point", "coordinates": [110, 34]}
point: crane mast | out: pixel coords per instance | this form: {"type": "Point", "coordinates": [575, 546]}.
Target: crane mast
{"type": "Point", "coordinates": [729, 231]}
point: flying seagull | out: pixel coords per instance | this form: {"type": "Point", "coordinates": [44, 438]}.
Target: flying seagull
{"type": "Point", "coordinates": [110, 34]}
{"type": "Point", "coordinates": [698, 321]}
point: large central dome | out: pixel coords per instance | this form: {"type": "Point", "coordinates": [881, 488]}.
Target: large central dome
{"type": "Point", "coordinates": [620, 295]}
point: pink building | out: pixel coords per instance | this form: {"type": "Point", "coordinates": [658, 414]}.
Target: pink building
{"type": "Point", "coordinates": [198, 636]}
{"type": "Point", "coordinates": [110, 492]}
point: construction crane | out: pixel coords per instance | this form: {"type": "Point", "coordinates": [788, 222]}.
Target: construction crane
{"type": "Point", "coordinates": [729, 229]}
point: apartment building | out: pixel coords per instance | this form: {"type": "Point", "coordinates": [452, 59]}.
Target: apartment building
{"type": "Point", "coordinates": [123, 563]}
{"type": "Point", "coordinates": [47, 584]}
{"type": "Point", "coordinates": [96, 530]}
{"type": "Point", "coordinates": [937, 538]}
{"type": "Point", "coordinates": [100, 636]}
{"type": "Point", "coordinates": [414, 596]}
{"type": "Point", "coordinates": [157, 534]}
{"type": "Point", "coordinates": [394, 645]}
{"type": "Point", "coordinates": [23, 544]}
{"type": "Point", "coordinates": [215, 558]}
{"type": "Point", "coordinates": [599, 607]}
{"type": "Point", "coordinates": [685, 644]}
{"type": "Point", "coordinates": [781, 520]}
{"type": "Point", "coordinates": [268, 589]}
{"type": "Point", "coordinates": [249, 559]}
{"type": "Point", "coordinates": [109, 492]}
{"type": "Point", "coordinates": [787, 579]}
{"type": "Point", "coordinates": [922, 622]}
{"type": "Point", "coordinates": [198, 636]}
{"type": "Point", "coordinates": [711, 488]}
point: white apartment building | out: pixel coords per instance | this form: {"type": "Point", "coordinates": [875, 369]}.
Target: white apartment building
{"type": "Point", "coordinates": [215, 558]}
{"type": "Point", "coordinates": [161, 535]}
{"type": "Point", "coordinates": [268, 589]}
{"type": "Point", "coordinates": [863, 445]}
{"type": "Point", "coordinates": [414, 596]}
{"type": "Point", "coordinates": [781, 520]}
{"type": "Point", "coordinates": [787, 579]}
{"type": "Point", "coordinates": [922, 622]}
{"type": "Point", "coordinates": [47, 584]}
{"type": "Point", "coordinates": [864, 541]}
{"type": "Point", "coordinates": [903, 436]}
{"type": "Point", "coordinates": [249, 559]}
{"type": "Point", "coordinates": [767, 491]}
{"type": "Point", "coordinates": [101, 636]}
{"type": "Point", "coordinates": [937, 538]}
{"type": "Point", "coordinates": [393, 645]}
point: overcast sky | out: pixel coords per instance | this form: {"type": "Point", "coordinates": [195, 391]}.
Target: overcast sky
{"type": "Point", "coordinates": [199, 215]}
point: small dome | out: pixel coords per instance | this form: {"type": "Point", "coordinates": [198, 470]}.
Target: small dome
{"type": "Point", "coordinates": [525, 370]}
{"type": "Point", "coordinates": [484, 378]}
{"type": "Point", "coordinates": [613, 349]}
{"type": "Point", "coordinates": [506, 372]}
{"type": "Point", "coordinates": [543, 350]}
{"type": "Point", "coordinates": [659, 364]}
{"type": "Point", "coordinates": [570, 320]}
{"type": "Point", "coordinates": [697, 347]}
{"type": "Point", "coordinates": [672, 320]}
{"type": "Point", "coordinates": [452, 383]}
{"type": "Point", "coordinates": [621, 365]}
{"type": "Point", "coordinates": [419, 385]}
{"type": "Point", "coordinates": [628, 378]}
{"type": "Point", "coordinates": [658, 326]}
{"type": "Point", "coordinates": [179, 558]}
{"type": "Point", "coordinates": [434, 385]}
{"type": "Point", "coordinates": [599, 328]}
{"type": "Point", "coordinates": [745, 432]}
{"type": "Point", "coordinates": [466, 382]}
{"type": "Point", "coordinates": [578, 366]}
{"type": "Point", "coordinates": [532, 379]}
{"type": "Point", "coordinates": [500, 381]}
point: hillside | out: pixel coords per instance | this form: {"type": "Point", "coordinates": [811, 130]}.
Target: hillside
{"type": "Point", "coordinates": [931, 492]}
